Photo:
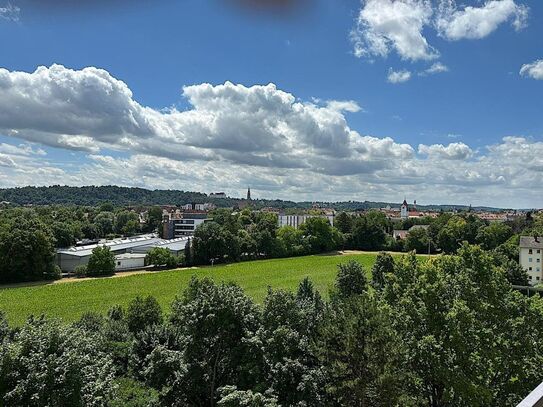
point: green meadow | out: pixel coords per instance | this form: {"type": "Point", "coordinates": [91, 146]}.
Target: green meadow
{"type": "Point", "coordinates": [68, 301]}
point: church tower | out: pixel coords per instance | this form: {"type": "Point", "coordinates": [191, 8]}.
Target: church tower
{"type": "Point", "coordinates": [404, 210]}
{"type": "Point", "coordinates": [249, 194]}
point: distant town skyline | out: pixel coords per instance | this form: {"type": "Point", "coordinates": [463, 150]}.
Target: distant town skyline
{"type": "Point", "coordinates": [438, 101]}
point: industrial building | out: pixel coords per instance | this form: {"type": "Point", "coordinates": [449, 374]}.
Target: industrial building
{"type": "Point", "coordinates": [181, 224]}
{"type": "Point", "coordinates": [129, 253]}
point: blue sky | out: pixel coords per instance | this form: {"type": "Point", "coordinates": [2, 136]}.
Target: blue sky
{"type": "Point", "coordinates": [470, 133]}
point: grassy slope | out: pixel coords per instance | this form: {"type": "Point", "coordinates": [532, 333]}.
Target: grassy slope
{"type": "Point", "coordinates": [68, 301]}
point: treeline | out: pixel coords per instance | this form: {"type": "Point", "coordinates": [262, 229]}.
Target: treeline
{"type": "Point", "coordinates": [443, 332]}
{"type": "Point", "coordinates": [30, 236]}
{"type": "Point", "coordinates": [127, 196]}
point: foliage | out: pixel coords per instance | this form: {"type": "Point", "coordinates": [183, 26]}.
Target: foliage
{"type": "Point", "coordinates": [46, 364]}
{"type": "Point", "coordinates": [81, 271]}
{"type": "Point", "coordinates": [101, 262]}
{"type": "Point", "coordinates": [131, 393]}
{"type": "Point", "coordinates": [26, 251]}
{"type": "Point", "coordinates": [142, 313]}
{"type": "Point", "coordinates": [384, 264]}
{"type": "Point", "coordinates": [160, 256]}
{"type": "Point", "coordinates": [418, 240]}
{"type": "Point", "coordinates": [351, 279]}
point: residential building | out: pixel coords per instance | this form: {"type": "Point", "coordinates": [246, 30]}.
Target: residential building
{"type": "Point", "coordinates": [179, 224]}
{"type": "Point", "coordinates": [217, 195]}
{"type": "Point", "coordinates": [531, 258]}
{"type": "Point", "coordinates": [297, 220]}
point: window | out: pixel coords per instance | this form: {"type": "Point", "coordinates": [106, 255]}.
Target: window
{"type": "Point", "coordinates": [118, 263]}
{"type": "Point", "coordinates": [538, 251]}
{"type": "Point", "coordinates": [530, 259]}
{"type": "Point", "coordinates": [529, 277]}
{"type": "Point", "coordinates": [537, 278]}
{"type": "Point", "coordinates": [529, 269]}
{"type": "Point", "coordinates": [537, 269]}
{"type": "Point", "coordinates": [530, 251]}
{"type": "Point", "coordinates": [538, 260]}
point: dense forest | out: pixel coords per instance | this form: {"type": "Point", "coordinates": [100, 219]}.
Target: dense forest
{"type": "Point", "coordinates": [445, 332]}
{"type": "Point", "coordinates": [125, 196]}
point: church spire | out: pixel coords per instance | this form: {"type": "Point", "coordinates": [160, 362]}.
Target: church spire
{"type": "Point", "coordinates": [249, 194]}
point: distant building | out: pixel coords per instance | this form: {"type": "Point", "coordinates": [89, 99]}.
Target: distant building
{"type": "Point", "coordinates": [249, 194]}
{"type": "Point", "coordinates": [297, 220]}
{"type": "Point", "coordinates": [138, 246]}
{"type": "Point", "coordinates": [399, 234]}
{"type": "Point", "coordinates": [404, 210]}
{"type": "Point", "coordinates": [217, 195]}
{"type": "Point", "coordinates": [181, 224]}
{"type": "Point", "coordinates": [530, 257]}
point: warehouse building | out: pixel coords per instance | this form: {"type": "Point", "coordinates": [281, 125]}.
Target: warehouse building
{"type": "Point", "coordinates": [129, 253]}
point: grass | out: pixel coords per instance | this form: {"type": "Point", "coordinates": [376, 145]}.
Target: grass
{"type": "Point", "coordinates": [68, 301]}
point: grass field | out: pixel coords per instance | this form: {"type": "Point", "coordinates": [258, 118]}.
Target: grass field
{"type": "Point", "coordinates": [69, 300]}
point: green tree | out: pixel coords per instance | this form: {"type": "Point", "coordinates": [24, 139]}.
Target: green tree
{"type": "Point", "coordinates": [160, 256]}
{"type": "Point", "coordinates": [47, 364]}
{"type": "Point", "coordinates": [343, 222]}
{"type": "Point", "coordinates": [369, 231]}
{"type": "Point", "coordinates": [142, 313]}
{"type": "Point", "coordinates": [384, 264]}
{"type": "Point", "coordinates": [101, 262]}
{"type": "Point", "coordinates": [493, 235]}
{"type": "Point", "coordinates": [351, 279]}
{"type": "Point", "coordinates": [209, 243]}
{"type": "Point", "coordinates": [26, 251]}
{"type": "Point", "coordinates": [126, 223]}
{"type": "Point", "coordinates": [154, 218]}
{"type": "Point", "coordinates": [319, 235]}
{"type": "Point", "coordinates": [291, 240]}
{"type": "Point", "coordinates": [217, 324]}
{"type": "Point", "coordinates": [104, 222]}
{"type": "Point", "coordinates": [418, 240]}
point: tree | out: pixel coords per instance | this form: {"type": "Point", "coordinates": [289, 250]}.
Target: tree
{"type": "Point", "coordinates": [343, 222]}
{"type": "Point", "coordinates": [384, 264]}
{"type": "Point", "coordinates": [101, 262]}
{"type": "Point", "coordinates": [126, 223]}
{"type": "Point", "coordinates": [47, 364]}
{"type": "Point", "coordinates": [319, 235]}
{"type": "Point", "coordinates": [142, 313]}
{"type": "Point", "coordinates": [465, 331]}
{"type": "Point", "coordinates": [104, 222]}
{"type": "Point", "coordinates": [217, 324]}
{"type": "Point", "coordinates": [160, 256]}
{"type": "Point", "coordinates": [188, 253]}
{"type": "Point", "coordinates": [154, 218]}
{"type": "Point", "coordinates": [351, 279]}
{"type": "Point", "coordinates": [368, 232]}
{"type": "Point", "coordinates": [232, 397]}
{"type": "Point", "coordinates": [493, 235]}
{"type": "Point", "coordinates": [26, 251]}
{"type": "Point", "coordinates": [209, 243]}
{"type": "Point", "coordinates": [418, 240]}
{"type": "Point", "coordinates": [291, 240]}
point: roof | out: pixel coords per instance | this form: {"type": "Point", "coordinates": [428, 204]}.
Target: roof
{"type": "Point", "coordinates": [174, 245]}
{"type": "Point", "coordinates": [531, 243]}
{"type": "Point", "coordinates": [114, 245]}
{"type": "Point", "coordinates": [414, 227]}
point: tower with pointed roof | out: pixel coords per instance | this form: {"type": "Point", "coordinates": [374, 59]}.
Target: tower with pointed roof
{"type": "Point", "coordinates": [249, 194]}
{"type": "Point", "coordinates": [404, 210]}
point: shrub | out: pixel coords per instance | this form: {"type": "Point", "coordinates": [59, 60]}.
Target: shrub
{"type": "Point", "coordinates": [81, 271]}
{"type": "Point", "coordinates": [143, 313]}
{"type": "Point", "coordinates": [101, 262]}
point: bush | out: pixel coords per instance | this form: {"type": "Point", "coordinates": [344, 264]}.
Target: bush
{"type": "Point", "coordinates": [101, 262]}
{"type": "Point", "coordinates": [81, 271]}
{"type": "Point", "coordinates": [351, 279]}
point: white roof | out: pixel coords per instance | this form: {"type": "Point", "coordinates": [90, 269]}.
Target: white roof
{"type": "Point", "coordinates": [114, 245]}
{"type": "Point", "coordinates": [130, 256]}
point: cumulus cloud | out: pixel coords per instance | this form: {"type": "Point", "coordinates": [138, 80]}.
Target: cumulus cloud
{"type": "Point", "coordinates": [232, 136]}
{"type": "Point", "coordinates": [533, 70]}
{"type": "Point", "coordinates": [454, 151]}
{"type": "Point", "coordinates": [398, 76]}
{"type": "Point", "coordinates": [10, 12]}
{"type": "Point", "coordinates": [478, 22]}
{"type": "Point", "coordinates": [89, 110]}
{"type": "Point", "coordinates": [385, 25]}
{"type": "Point", "coordinates": [401, 26]}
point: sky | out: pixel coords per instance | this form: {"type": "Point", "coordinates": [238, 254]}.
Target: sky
{"type": "Point", "coordinates": [432, 100]}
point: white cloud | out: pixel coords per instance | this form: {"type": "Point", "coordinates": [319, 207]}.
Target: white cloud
{"type": "Point", "coordinates": [344, 106]}
{"type": "Point", "coordinates": [478, 22]}
{"type": "Point", "coordinates": [232, 136]}
{"type": "Point", "coordinates": [533, 70]}
{"type": "Point", "coordinates": [454, 151]}
{"type": "Point", "coordinates": [398, 76]}
{"type": "Point", "coordinates": [9, 12]}
{"type": "Point", "coordinates": [436, 68]}
{"type": "Point", "coordinates": [383, 25]}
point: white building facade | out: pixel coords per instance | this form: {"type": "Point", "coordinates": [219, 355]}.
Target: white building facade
{"type": "Point", "coordinates": [297, 220]}
{"type": "Point", "coordinates": [531, 258]}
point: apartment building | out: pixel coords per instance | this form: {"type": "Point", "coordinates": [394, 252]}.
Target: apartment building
{"type": "Point", "coordinates": [531, 257]}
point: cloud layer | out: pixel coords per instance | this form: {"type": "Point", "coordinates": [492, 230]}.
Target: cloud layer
{"type": "Point", "coordinates": [232, 136]}
{"type": "Point", "coordinates": [533, 70]}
